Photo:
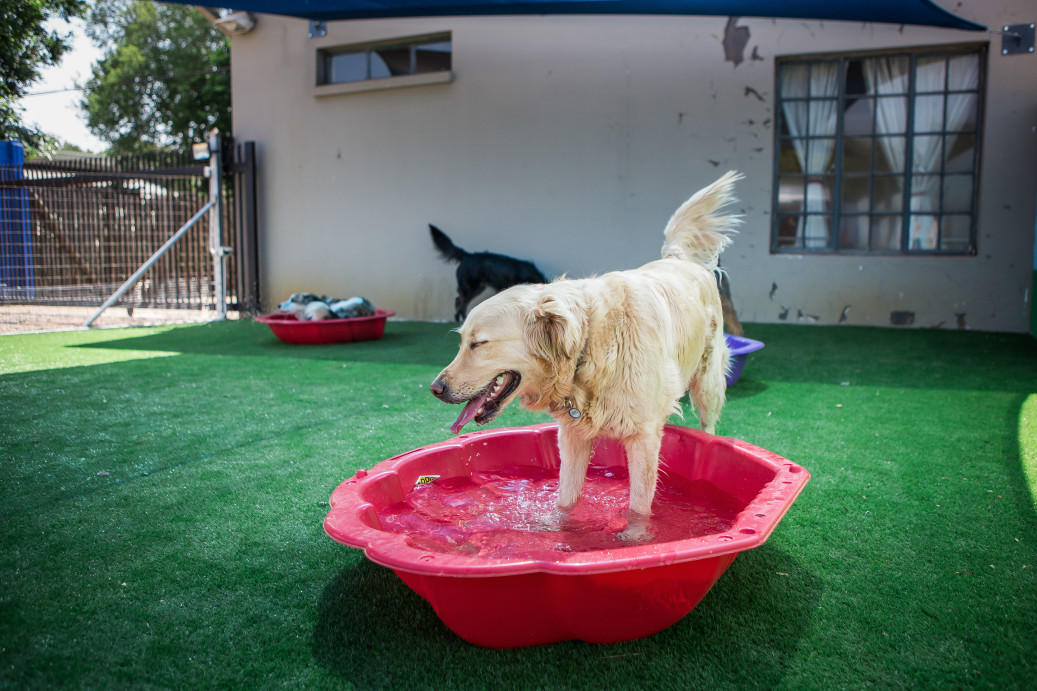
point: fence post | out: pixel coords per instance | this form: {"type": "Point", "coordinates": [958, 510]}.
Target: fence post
{"type": "Point", "coordinates": [247, 232]}
{"type": "Point", "coordinates": [216, 247]}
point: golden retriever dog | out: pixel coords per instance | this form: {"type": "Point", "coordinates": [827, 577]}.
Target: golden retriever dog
{"type": "Point", "coordinates": [608, 356]}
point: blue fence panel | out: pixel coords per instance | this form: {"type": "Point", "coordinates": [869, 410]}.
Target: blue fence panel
{"type": "Point", "coordinates": [16, 272]}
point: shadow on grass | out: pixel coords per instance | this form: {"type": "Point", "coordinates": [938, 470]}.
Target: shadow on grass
{"type": "Point", "coordinates": [757, 611]}
{"type": "Point", "coordinates": [415, 343]}
{"type": "Point", "coordinates": [745, 388]}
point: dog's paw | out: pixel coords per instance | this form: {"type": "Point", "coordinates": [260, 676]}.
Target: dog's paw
{"type": "Point", "coordinates": [555, 520]}
{"type": "Point", "coordinates": [564, 509]}
{"type": "Point", "coordinates": [637, 530]}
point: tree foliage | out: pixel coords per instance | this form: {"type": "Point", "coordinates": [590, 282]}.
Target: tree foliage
{"type": "Point", "coordinates": [26, 47]}
{"type": "Point", "coordinates": [163, 81]}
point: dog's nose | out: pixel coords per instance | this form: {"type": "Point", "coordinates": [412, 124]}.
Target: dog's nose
{"type": "Point", "coordinates": [438, 388]}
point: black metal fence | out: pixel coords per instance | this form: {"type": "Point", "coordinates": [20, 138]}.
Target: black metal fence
{"type": "Point", "coordinates": [72, 231]}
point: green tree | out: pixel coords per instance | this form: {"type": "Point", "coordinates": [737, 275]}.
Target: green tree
{"type": "Point", "coordinates": [164, 80]}
{"type": "Point", "coordinates": [26, 47]}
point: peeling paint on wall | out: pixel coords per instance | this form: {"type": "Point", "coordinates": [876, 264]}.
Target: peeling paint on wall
{"type": "Point", "coordinates": [749, 91]}
{"type": "Point", "coordinates": [736, 38]}
{"type": "Point", "coordinates": [809, 318]}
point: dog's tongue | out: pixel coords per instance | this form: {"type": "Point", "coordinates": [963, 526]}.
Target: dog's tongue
{"type": "Point", "coordinates": [471, 408]}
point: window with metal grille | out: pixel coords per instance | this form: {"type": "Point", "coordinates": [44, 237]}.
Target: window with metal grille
{"type": "Point", "coordinates": [878, 153]}
{"type": "Point", "coordinates": [423, 55]}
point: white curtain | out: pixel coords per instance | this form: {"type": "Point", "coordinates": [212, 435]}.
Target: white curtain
{"type": "Point", "coordinates": [889, 76]}
{"type": "Point", "coordinates": [814, 118]}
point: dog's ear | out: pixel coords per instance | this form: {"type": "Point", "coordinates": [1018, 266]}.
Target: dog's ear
{"type": "Point", "coordinates": [553, 331]}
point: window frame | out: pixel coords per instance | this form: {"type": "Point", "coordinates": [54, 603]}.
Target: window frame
{"type": "Point", "coordinates": [836, 215]}
{"type": "Point", "coordinates": [323, 87]}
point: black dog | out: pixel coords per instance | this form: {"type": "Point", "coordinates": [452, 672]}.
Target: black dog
{"type": "Point", "coordinates": [478, 270]}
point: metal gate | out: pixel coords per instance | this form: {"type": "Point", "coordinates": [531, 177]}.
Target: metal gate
{"type": "Point", "coordinates": [73, 231]}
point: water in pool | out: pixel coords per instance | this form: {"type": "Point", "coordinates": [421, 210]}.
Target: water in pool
{"type": "Point", "coordinates": [512, 514]}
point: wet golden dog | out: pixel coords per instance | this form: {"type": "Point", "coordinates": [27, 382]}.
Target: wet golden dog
{"type": "Point", "coordinates": [608, 356]}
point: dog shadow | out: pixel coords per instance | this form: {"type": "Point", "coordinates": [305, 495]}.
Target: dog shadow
{"type": "Point", "coordinates": [375, 632]}
{"type": "Point", "coordinates": [745, 388]}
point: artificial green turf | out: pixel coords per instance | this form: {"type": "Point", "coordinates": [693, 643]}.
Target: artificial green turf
{"type": "Point", "coordinates": [162, 494]}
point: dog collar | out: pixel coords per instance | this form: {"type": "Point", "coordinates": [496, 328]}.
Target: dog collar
{"type": "Point", "coordinates": [574, 412]}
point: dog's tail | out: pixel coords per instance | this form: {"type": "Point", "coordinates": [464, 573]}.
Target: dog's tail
{"type": "Point", "coordinates": [448, 250]}
{"type": "Point", "coordinates": [697, 231]}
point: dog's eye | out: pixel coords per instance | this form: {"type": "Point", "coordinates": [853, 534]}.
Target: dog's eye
{"type": "Point", "coordinates": [476, 344]}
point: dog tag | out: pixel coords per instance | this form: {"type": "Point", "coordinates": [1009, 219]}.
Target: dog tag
{"type": "Point", "coordinates": [574, 414]}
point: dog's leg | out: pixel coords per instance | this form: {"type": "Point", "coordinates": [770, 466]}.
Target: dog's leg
{"type": "Point", "coordinates": [731, 323]}
{"type": "Point", "coordinates": [643, 465]}
{"type": "Point", "coordinates": [708, 388]}
{"type": "Point", "coordinates": [465, 295]}
{"type": "Point", "coordinates": [575, 454]}
{"type": "Point", "coordinates": [460, 306]}
{"type": "Point", "coordinates": [708, 404]}
{"type": "Point", "coordinates": [469, 285]}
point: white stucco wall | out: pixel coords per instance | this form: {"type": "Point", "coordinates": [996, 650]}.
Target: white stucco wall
{"type": "Point", "coordinates": [570, 140]}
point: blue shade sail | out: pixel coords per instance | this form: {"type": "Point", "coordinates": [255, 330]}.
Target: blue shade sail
{"type": "Point", "coordinates": [913, 12]}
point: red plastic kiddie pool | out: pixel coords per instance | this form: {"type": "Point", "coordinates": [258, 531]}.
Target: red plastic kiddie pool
{"type": "Point", "coordinates": [324, 331]}
{"type": "Point", "coordinates": [603, 596]}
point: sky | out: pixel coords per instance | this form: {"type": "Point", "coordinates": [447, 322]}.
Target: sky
{"type": "Point", "coordinates": [56, 113]}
